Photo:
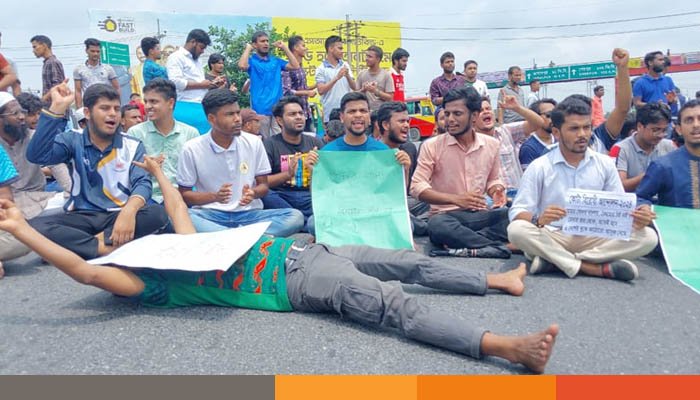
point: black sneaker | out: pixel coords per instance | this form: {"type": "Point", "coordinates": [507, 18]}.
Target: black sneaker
{"type": "Point", "coordinates": [622, 270]}
{"type": "Point", "coordinates": [484, 252]}
{"type": "Point", "coordinates": [541, 266]}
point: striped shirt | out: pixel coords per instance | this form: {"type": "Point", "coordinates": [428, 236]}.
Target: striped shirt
{"type": "Point", "coordinates": [102, 180]}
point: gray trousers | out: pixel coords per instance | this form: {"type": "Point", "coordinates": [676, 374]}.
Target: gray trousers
{"type": "Point", "coordinates": [11, 248]}
{"type": "Point", "coordinates": [351, 281]}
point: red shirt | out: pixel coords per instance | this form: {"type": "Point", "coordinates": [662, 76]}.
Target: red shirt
{"type": "Point", "coordinates": [142, 108]}
{"type": "Point", "coordinates": [399, 87]}
{"type": "Point", "coordinates": [4, 63]}
{"type": "Point", "coordinates": [597, 111]}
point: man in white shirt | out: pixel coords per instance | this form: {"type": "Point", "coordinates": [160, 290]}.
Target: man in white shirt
{"type": "Point", "coordinates": [186, 70]}
{"type": "Point", "coordinates": [534, 92]}
{"type": "Point", "coordinates": [333, 77]}
{"type": "Point", "coordinates": [538, 210]}
{"type": "Point", "coordinates": [470, 70]}
{"type": "Point", "coordinates": [229, 169]}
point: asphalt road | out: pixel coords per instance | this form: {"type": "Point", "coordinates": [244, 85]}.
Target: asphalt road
{"type": "Point", "coordinates": [52, 325]}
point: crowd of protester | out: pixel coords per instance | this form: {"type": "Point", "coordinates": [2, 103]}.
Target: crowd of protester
{"type": "Point", "coordinates": [91, 174]}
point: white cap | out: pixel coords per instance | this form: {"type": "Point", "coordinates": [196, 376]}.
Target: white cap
{"type": "Point", "coordinates": [79, 114]}
{"type": "Point", "coordinates": [5, 98]}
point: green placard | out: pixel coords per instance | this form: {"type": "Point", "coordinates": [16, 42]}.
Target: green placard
{"type": "Point", "coordinates": [679, 237]}
{"type": "Point", "coordinates": [359, 197]}
{"type": "Point", "coordinates": [592, 71]}
{"type": "Point", "coordinates": [114, 53]}
{"type": "Point", "coordinates": [554, 74]}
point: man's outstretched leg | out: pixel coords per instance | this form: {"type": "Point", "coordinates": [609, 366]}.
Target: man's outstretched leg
{"type": "Point", "coordinates": [411, 267]}
{"type": "Point", "coordinates": [319, 281]}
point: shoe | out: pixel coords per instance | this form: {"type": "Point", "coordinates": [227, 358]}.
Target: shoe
{"type": "Point", "coordinates": [484, 252]}
{"type": "Point", "coordinates": [541, 266]}
{"type": "Point", "coordinates": [622, 270]}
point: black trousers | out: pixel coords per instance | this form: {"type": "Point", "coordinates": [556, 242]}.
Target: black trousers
{"type": "Point", "coordinates": [469, 229]}
{"type": "Point", "coordinates": [76, 230]}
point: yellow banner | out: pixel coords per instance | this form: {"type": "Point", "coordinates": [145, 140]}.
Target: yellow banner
{"type": "Point", "coordinates": [386, 35]}
{"type": "Point", "coordinates": [635, 62]}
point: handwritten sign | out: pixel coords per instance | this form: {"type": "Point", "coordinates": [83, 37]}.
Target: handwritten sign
{"type": "Point", "coordinates": [599, 214]}
{"type": "Point", "coordinates": [359, 197]}
{"type": "Point", "coordinates": [197, 252]}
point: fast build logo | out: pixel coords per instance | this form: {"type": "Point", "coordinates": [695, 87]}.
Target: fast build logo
{"type": "Point", "coordinates": [110, 24]}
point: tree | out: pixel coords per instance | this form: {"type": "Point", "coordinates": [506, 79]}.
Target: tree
{"type": "Point", "coordinates": [231, 44]}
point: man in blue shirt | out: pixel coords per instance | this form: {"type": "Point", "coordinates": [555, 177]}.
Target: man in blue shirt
{"type": "Point", "coordinates": [9, 247]}
{"type": "Point", "coordinates": [354, 114]}
{"type": "Point", "coordinates": [675, 177]}
{"type": "Point", "coordinates": [151, 69]}
{"type": "Point", "coordinates": [541, 140]}
{"type": "Point", "coordinates": [265, 71]}
{"type": "Point", "coordinates": [107, 204]}
{"type": "Point", "coordinates": [653, 86]}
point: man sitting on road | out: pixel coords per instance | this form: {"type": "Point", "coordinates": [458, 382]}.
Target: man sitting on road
{"type": "Point", "coordinates": [229, 169]}
{"type": "Point", "coordinates": [292, 156]}
{"type": "Point", "coordinates": [455, 172]}
{"type": "Point", "coordinates": [538, 209]}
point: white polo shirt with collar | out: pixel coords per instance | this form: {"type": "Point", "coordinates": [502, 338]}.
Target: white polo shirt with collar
{"type": "Point", "coordinates": [207, 166]}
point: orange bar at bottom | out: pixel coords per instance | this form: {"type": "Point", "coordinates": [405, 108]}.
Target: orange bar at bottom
{"type": "Point", "coordinates": [366, 387]}
{"type": "Point", "coordinates": [628, 387]}
{"type": "Point", "coordinates": [487, 387]}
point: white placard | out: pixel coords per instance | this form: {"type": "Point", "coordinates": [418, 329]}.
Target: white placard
{"type": "Point", "coordinates": [600, 214]}
{"type": "Point", "coordinates": [196, 252]}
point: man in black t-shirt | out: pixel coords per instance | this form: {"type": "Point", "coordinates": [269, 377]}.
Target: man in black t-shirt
{"type": "Point", "coordinates": [292, 157]}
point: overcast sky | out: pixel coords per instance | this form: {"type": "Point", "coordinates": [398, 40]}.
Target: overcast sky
{"type": "Point", "coordinates": [492, 46]}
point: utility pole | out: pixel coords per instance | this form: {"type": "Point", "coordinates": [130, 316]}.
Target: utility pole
{"type": "Point", "coordinates": [348, 40]}
{"type": "Point", "coordinates": [160, 35]}
{"type": "Point", "coordinates": [357, 47]}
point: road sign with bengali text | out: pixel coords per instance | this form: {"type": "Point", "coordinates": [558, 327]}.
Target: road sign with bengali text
{"type": "Point", "coordinates": [592, 71]}
{"type": "Point", "coordinates": [555, 74]}
{"type": "Point", "coordinates": [114, 53]}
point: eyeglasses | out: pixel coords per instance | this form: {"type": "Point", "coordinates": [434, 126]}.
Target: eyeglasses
{"type": "Point", "coordinates": [15, 113]}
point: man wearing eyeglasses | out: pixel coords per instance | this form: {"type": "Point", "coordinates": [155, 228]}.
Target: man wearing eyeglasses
{"type": "Point", "coordinates": [635, 153]}
{"type": "Point", "coordinates": [28, 187]}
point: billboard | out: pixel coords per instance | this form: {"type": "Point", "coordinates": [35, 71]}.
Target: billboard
{"type": "Point", "coordinates": [129, 27]}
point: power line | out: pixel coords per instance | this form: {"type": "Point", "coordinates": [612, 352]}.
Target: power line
{"type": "Point", "coordinates": [510, 10]}
{"type": "Point", "coordinates": [508, 39]}
{"type": "Point", "coordinates": [615, 21]}
{"type": "Point", "coordinates": [55, 46]}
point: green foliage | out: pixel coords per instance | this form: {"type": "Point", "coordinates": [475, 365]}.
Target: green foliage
{"type": "Point", "coordinates": [231, 44]}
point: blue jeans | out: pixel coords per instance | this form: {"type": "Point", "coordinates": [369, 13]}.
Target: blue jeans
{"type": "Point", "coordinates": [285, 221]}
{"type": "Point", "coordinates": [297, 199]}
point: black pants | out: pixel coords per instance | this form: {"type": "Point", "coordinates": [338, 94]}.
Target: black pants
{"type": "Point", "coordinates": [469, 229]}
{"type": "Point", "coordinates": [76, 230]}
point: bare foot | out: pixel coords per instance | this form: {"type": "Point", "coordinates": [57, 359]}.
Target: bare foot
{"type": "Point", "coordinates": [2, 271]}
{"type": "Point", "coordinates": [534, 350]}
{"type": "Point", "coordinates": [510, 282]}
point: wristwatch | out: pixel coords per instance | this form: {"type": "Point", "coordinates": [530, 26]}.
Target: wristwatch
{"type": "Point", "coordinates": [534, 220]}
